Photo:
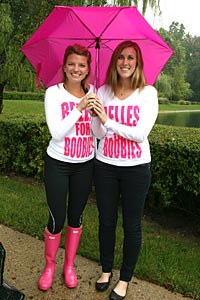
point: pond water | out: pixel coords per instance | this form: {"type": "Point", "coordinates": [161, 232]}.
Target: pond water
{"type": "Point", "coordinates": [179, 118]}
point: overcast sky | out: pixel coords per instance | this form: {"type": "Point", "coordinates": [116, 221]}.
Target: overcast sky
{"type": "Point", "coordinates": [182, 11]}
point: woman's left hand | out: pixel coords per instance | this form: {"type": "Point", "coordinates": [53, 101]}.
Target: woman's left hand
{"type": "Point", "coordinates": [90, 104]}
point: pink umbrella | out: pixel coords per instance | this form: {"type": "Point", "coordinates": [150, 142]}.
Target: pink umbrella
{"type": "Point", "coordinates": [100, 29]}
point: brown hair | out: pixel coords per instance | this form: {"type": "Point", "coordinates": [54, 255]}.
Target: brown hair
{"type": "Point", "coordinates": [79, 50]}
{"type": "Point", "coordinates": [138, 80]}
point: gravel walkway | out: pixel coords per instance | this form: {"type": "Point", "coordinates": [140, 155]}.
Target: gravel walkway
{"type": "Point", "coordinates": [24, 262]}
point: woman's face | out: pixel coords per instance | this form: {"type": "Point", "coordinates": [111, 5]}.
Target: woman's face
{"type": "Point", "coordinates": [126, 62]}
{"type": "Point", "coordinates": [76, 67]}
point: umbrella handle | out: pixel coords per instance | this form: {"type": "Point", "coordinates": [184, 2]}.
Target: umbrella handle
{"type": "Point", "coordinates": [97, 47]}
{"type": "Point", "coordinates": [97, 43]}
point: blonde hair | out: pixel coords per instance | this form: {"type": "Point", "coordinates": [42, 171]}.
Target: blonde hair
{"type": "Point", "coordinates": [138, 79]}
{"type": "Point", "coordinates": [82, 51]}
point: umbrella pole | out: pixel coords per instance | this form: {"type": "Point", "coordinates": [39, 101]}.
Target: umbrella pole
{"type": "Point", "coordinates": [97, 47]}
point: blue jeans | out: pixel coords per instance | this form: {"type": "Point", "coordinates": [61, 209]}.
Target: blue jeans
{"type": "Point", "coordinates": [130, 186]}
{"type": "Point", "coordinates": [66, 181]}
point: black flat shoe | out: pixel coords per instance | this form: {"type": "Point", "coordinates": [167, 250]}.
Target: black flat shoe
{"type": "Point", "coordinates": [102, 286]}
{"type": "Point", "coordinates": [115, 296]}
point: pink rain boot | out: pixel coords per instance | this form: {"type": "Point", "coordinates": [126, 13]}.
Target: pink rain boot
{"type": "Point", "coordinates": [52, 242]}
{"type": "Point", "coordinates": [71, 245]}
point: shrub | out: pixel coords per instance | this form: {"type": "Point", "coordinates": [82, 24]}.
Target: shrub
{"type": "Point", "coordinates": [184, 102]}
{"type": "Point", "coordinates": [23, 146]}
{"type": "Point", "coordinates": [175, 168]}
{"type": "Point", "coordinates": [163, 100]}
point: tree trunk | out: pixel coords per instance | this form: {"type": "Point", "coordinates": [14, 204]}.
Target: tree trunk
{"type": "Point", "coordinates": [2, 85]}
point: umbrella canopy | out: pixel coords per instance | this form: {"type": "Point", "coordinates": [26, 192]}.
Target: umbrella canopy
{"type": "Point", "coordinates": [100, 29]}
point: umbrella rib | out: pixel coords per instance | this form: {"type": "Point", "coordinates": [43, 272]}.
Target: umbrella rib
{"type": "Point", "coordinates": [97, 39]}
{"type": "Point", "coordinates": [112, 20]}
{"type": "Point", "coordinates": [83, 23]}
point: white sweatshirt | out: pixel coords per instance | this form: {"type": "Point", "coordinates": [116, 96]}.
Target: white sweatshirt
{"type": "Point", "coordinates": [124, 136]}
{"type": "Point", "coordinates": [72, 140]}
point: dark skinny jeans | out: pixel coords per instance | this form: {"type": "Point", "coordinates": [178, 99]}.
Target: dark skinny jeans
{"type": "Point", "coordinates": [129, 185]}
{"type": "Point", "coordinates": [66, 183]}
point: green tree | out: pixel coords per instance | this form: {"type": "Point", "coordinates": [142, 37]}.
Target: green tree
{"type": "Point", "coordinates": [18, 19]}
{"type": "Point", "coordinates": [164, 86]}
{"type": "Point", "coordinates": [192, 48]}
{"type": "Point", "coordinates": [176, 67]}
{"type": "Point", "coordinates": [6, 30]}
{"type": "Point", "coordinates": [153, 4]}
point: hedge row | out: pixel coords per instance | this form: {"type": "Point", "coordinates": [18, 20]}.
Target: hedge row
{"type": "Point", "coordinates": [175, 160]}
{"type": "Point", "coordinates": [39, 95]}
{"type": "Point", "coordinates": [14, 95]}
{"type": "Point", "coordinates": [175, 168]}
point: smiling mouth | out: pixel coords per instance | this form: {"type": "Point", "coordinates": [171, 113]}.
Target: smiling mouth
{"type": "Point", "coordinates": [75, 75]}
{"type": "Point", "coordinates": [125, 68]}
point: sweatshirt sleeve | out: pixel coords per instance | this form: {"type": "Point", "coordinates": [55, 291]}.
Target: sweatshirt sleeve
{"type": "Point", "coordinates": [97, 128]}
{"type": "Point", "coordinates": [58, 126]}
{"type": "Point", "coordinates": [148, 115]}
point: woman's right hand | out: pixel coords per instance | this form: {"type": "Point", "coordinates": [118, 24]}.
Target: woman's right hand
{"type": "Point", "coordinates": [83, 103]}
{"type": "Point", "coordinates": [99, 110]}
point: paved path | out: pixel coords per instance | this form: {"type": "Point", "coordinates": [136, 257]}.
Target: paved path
{"type": "Point", "coordinates": [178, 111]}
{"type": "Point", "coordinates": [24, 262]}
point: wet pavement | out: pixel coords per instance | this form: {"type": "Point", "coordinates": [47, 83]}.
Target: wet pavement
{"type": "Point", "coordinates": [25, 261]}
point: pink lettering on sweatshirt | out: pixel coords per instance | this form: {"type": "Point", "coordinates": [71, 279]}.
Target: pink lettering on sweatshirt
{"type": "Point", "coordinates": [82, 144]}
{"type": "Point", "coordinates": [117, 146]}
{"type": "Point", "coordinates": [128, 115]}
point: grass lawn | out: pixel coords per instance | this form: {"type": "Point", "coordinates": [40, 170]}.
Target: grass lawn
{"type": "Point", "coordinates": [29, 108]}
{"type": "Point", "coordinates": [170, 252]}
{"type": "Point", "coordinates": [36, 108]}
{"type": "Point", "coordinates": [175, 107]}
